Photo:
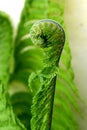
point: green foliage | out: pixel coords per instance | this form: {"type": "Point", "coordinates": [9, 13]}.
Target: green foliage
{"type": "Point", "coordinates": [8, 121]}
{"type": "Point", "coordinates": [23, 58]}
{"type": "Point", "coordinates": [25, 53]}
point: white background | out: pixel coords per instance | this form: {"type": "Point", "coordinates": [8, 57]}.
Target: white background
{"type": "Point", "coordinates": [13, 8]}
{"type": "Point", "coordinates": [76, 21]}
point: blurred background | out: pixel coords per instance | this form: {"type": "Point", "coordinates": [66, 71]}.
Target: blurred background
{"type": "Point", "coordinates": [76, 23]}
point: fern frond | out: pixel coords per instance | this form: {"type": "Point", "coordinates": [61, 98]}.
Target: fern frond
{"type": "Point", "coordinates": [49, 35]}
{"type": "Point", "coordinates": [8, 121]}
{"type": "Point", "coordinates": [25, 54]}
{"type": "Point", "coordinates": [27, 57]}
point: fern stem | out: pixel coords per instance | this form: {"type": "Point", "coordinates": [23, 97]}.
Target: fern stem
{"type": "Point", "coordinates": [50, 36]}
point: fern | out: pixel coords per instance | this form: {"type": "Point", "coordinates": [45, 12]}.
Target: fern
{"type": "Point", "coordinates": [64, 102]}
{"type": "Point", "coordinates": [54, 10]}
{"type": "Point", "coordinates": [25, 53]}
{"type": "Point", "coordinates": [50, 36]}
{"type": "Point", "coordinates": [27, 59]}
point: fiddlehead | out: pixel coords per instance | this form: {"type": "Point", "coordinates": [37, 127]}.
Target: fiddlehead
{"type": "Point", "coordinates": [50, 36]}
